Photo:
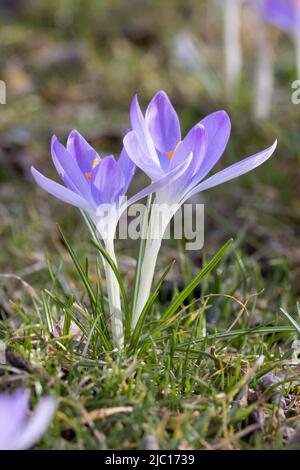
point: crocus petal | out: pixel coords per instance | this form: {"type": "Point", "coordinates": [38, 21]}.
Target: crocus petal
{"type": "Point", "coordinates": [138, 125]}
{"type": "Point", "coordinates": [71, 168]}
{"type": "Point", "coordinates": [36, 424]}
{"type": "Point", "coordinates": [163, 182]}
{"type": "Point", "coordinates": [81, 151]}
{"type": "Point", "coordinates": [218, 128]}
{"type": "Point", "coordinates": [59, 191]}
{"type": "Point", "coordinates": [128, 168]}
{"type": "Point", "coordinates": [13, 413]}
{"type": "Point", "coordinates": [233, 171]}
{"type": "Point", "coordinates": [164, 161]}
{"type": "Point", "coordinates": [195, 142]}
{"type": "Point", "coordinates": [139, 156]}
{"type": "Point", "coordinates": [281, 13]}
{"type": "Point", "coordinates": [107, 182]}
{"type": "Point", "coordinates": [163, 123]}
{"type": "Point", "coordinates": [63, 175]}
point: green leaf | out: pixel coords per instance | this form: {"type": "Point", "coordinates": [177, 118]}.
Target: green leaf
{"type": "Point", "coordinates": [79, 268]}
{"type": "Point", "coordinates": [291, 320]}
{"type": "Point", "coordinates": [180, 298]}
{"type": "Point", "coordinates": [49, 319]}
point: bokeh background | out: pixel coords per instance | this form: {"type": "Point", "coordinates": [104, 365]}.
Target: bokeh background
{"type": "Point", "coordinates": [77, 64]}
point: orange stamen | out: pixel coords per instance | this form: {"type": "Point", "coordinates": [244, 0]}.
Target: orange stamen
{"type": "Point", "coordinates": [170, 154]}
{"type": "Point", "coordinates": [88, 174]}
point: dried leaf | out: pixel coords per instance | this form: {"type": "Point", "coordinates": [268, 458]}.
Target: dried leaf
{"type": "Point", "coordinates": [103, 413]}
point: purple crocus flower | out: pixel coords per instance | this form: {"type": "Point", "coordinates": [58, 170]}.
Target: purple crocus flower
{"type": "Point", "coordinates": [90, 180]}
{"type": "Point", "coordinates": [18, 429]}
{"type": "Point", "coordinates": [98, 186]}
{"type": "Point", "coordinates": [156, 145]}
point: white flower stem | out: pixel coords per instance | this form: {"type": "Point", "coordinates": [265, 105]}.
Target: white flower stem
{"type": "Point", "coordinates": [147, 273]}
{"type": "Point", "coordinates": [114, 300]}
{"type": "Point", "coordinates": [297, 47]}
{"type": "Point", "coordinates": [232, 45]}
{"type": "Point", "coordinates": [160, 216]}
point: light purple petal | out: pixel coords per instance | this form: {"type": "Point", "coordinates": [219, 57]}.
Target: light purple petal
{"type": "Point", "coordinates": [139, 156]}
{"type": "Point", "coordinates": [164, 161]}
{"type": "Point", "coordinates": [128, 168]}
{"type": "Point", "coordinates": [163, 123]}
{"type": "Point", "coordinates": [218, 128]}
{"type": "Point", "coordinates": [235, 170]}
{"type": "Point", "coordinates": [107, 181]}
{"type": "Point", "coordinates": [72, 171]}
{"type": "Point", "coordinates": [59, 191]}
{"type": "Point", "coordinates": [139, 126]}
{"type": "Point", "coordinates": [195, 142]}
{"type": "Point", "coordinates": [282, 13]}
{"type": "Point", "coordinates": [62, 174]}
{"type": "Point", "coordinates": [164, 182]}
{"type": "Point", "coordinates": [81, 151]}
{"type": "Point", "coordinates": [13, 414]}
{"type": "Point", "coordinates": [37, 424]}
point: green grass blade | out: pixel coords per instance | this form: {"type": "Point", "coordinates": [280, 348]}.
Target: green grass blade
{"type": "Point", "coordinates": [180, 298]}
{"type": "Point", "coordinates": [262, 330]}
{"type": "Point", "coordinates": [291, 320]}
{"type": "Point", "coordinates": [80, 269]}
{"type": "Point", "coordinates": [91, 227]}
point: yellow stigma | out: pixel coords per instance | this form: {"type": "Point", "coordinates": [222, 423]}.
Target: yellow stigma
{"type": "Point", "coordinates": [88, 174]}
{"type": "Point", "coordinates": [170, 154]}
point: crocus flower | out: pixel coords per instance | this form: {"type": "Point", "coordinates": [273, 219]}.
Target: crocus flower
{"type": "Point", "coordinates": [18, 428]}
{"type": "Point", "coordinates": [91, 181]}
{"type": "Point", "coordinates": [285, 15]}
{"type": "Point", "coordinates": [156, 145]}
{"type": "Point", "coordinates": [98, 187]}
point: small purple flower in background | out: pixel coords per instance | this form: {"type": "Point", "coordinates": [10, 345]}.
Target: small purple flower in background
{"type": "Point", "coordinates": [18, 429]}
{"type": "Point", "coordinates": [90, 180]}
{"type": "Point", "coordinates": [156, 146]}
{"type": "Point", "coordinates": [281, 13]}
{"type": "Point", "coordinates": [285, 14]}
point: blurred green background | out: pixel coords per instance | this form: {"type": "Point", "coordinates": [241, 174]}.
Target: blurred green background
{"type": "Point", "coordinates": [77, 64]}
